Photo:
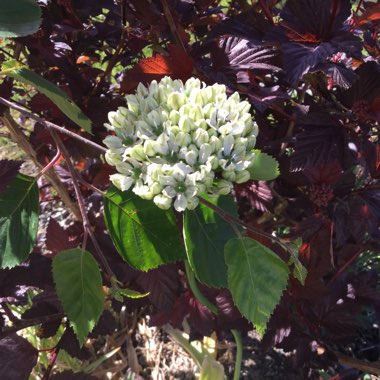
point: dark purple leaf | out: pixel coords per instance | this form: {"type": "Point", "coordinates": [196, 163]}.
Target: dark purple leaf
{"type": "Point", "coordinates": [311, 32]}
{"type": "Point", "coordinates": [229, 316]}
{"type": "Point", "coordinates": [17, 358]}
{"type": "Point", "coordinates": [58, 239]}
{"type": "Point", "coordinates": [8, 171]}
{"type": "Point", "coordinates": [162, 284]}
{"type": "Point", "coordinates": [15, 282]}
{"type": "Point", "coordinates": [264, 97]}
{"type": "Point", "coordinates": [45, 303]}
{"type": "Point", "coordinates": [105, 326]}
{"type": "Point", "coordinates": [5, 92]}
{"type": "Point", "coordinates": [69, 343]}
{"type": "Point", "coordinates": [200, 318]}
{"type": "Point", "coordinates": [253, 195]}
{"type": "Point", "coordinates": [364, 95]}
{"type": "Point", "coordinates": [319, 141]}
{"type": "Point", "coordinates": [340, 75]}
{"type": "Point", "coordinates": [241, 54]}
{"type": "Point", "coordinates": [249, 25]}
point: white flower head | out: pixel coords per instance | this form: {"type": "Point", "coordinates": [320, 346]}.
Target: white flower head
{"type": "Point", "coordinates": [175, 141]}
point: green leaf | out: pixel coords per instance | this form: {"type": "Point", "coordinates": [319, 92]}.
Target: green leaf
{"type": "Point", "coordinates": [256, 277]}
{"type": "Point", "coordinates": [19, 18]}
{"type": "Point", "coordinates": [18, 220]}
{"type": "Point", "coordinates": [299, 271]}
{"type": "Point", "coordinates": [144, 235]}
{"type": "Point", "coordinates": [211, 370]}
{"type": "Point", "coordinates": [79, 287]}
{"type": "Point", "coordinates": [264, 167]}
{"type": "Point", "coordinates": [55, 94]}
{"type": "Point", "coordinates": [205, 235]}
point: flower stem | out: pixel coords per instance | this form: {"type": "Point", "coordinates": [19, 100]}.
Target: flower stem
{"type": "Point", "coordinates": [197, 293]}
{"type": "Point", "coordinates": [239, 353]}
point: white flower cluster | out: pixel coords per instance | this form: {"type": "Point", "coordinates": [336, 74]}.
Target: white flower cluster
{"type": "Point", "coordinates": [176, 141]}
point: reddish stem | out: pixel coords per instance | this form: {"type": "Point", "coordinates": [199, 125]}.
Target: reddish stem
{"type": "Point", "coordinates": [52, 361]}
{"type": "Point", "coordinates": [334, 12]}
{"type": "Point", "coordinates": [345, 266]}
{"type": "Point", "coordinates": [51, 163]}
{"type": "Point", "coordinates": [266, 11]}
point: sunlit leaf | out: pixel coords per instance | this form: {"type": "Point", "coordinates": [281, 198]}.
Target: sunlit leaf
{"type": "Point", "coordinates": [257, 278]}
{"type": "Point", "coordinates": [144, 235]}
{"type": "Point", "coordinates": [18, 220]}
{"type": "Point", "coordinates": [79, 288]}
{"type": "Point", "coordinates": [19, 18]}
{"type": "Point", "coordinates": [55, 94]}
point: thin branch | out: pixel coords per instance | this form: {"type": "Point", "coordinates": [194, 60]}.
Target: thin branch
{"type": "Point", "coordinates": [266, 11]}
{"type": "Point", "coordinates": [51, 163]}
{"type": "Point", "coordinates": [233, 220]}
{"type": "Point", "coordinates": [24, 323]}
{"type": "Point", "coordinates": [81, 204]}
{"type": "Point", "coordinates": [52, 125]}
{"type": "Point", "coordinates": [91, 187]}
{"type": "Point", "coordinates": [52, 361]}
{"type": "Point", "coordinates": [172, 25]}
{"type": "Point", "coordinates": [113, 61]}
{"type": "Point", "coordinates": [346, 265]}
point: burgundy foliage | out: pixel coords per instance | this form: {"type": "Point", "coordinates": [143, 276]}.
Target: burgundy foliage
{"type": "Point", "coordinates": [312, 74]}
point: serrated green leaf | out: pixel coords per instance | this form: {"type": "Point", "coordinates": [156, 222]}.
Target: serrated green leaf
{"type": "Point", "coordinates": [79, 287]}
{"type": "Point", "coordinates": [257, 278]}
{"type": "Point", "coordinates": [205, 235]}
{"type": "Point", "coordinates": [299, 271]}
{"type": "Point", "coordinates": [264, 167]}
{"type": "Point", "coordinates": [130, 293]}
{"type": "Point", "coordinates": [55, 94]}
{"type": "Point", "coordinates": [18, 220]}
{"type": "Point", "coordinates": [144, 235]}
{"type": "Point", "coordinates": [19, 18]}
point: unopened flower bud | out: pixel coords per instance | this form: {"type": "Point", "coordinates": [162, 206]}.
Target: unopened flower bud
{"type": "Point", "coordinates": [183, 139]}
{"type": "Point", "coordinates": [229, 175]}
{"type": "Point", "coordinates": [137, 152]}
{"type": "Point", "coordinates": [174, 117]}
{"type": "Point", "coordinates": [242, 176]}
{"type": "Point", "coordinates": [113, 142]}
{"type": "Point", "coordinates": [149, 148]}
{"type": "Point", "coordinates": [186, 124]}
{"type": "Point", "coordinates": [176, 100]}
{"type": "Point", "coordinates": [224, 187]}
{"type": "Point", "coordinates": [200, 136]}
{"type": "Point", "coordinates": [121, 181]}
{"type": "Point", "coordinates": [204, 153]}
{"type": "Point", "coordinates": [133, 104]}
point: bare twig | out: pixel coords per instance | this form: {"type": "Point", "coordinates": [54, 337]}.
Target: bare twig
{"type": "Point", "coordinates": [51, 163]}
{"type": "Point", "coordinates": [52, 125]}
{"type": "Point", "coordinates": [52, 361]}
{"type": "Point", "coordinates": [233, 221]}
{"type": "Point", "coordinates": [266, 11]}
{"type": "Point", "coordinates": [369, 367]}
{"type": "Point", "coordinates": [81, 204]}
{"type": "Point", "coordinates": [172, 25]}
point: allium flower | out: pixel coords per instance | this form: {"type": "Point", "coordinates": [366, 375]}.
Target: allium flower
{"type": "Point", "coordinates": [175, 141]}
